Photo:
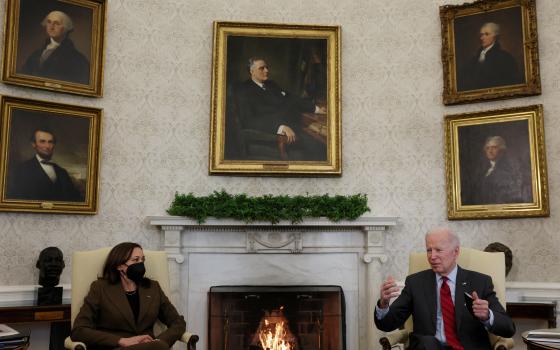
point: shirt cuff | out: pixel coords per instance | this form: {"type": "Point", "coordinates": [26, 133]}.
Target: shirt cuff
{"type": "Point", "coordinates": [490, 321]}
{"type": "Point", "coordinates": [381, 313]}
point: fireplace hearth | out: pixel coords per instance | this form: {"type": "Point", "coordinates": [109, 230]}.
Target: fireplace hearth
{"type": "Point", "coordinates": [276, 318]}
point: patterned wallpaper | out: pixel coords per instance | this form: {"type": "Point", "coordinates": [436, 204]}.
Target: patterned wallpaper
{"type": "Point", "coordinates": [156, 125]}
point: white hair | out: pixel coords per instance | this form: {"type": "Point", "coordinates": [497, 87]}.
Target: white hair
{"type": "Point", "coordinates": [494, 27]}
{"type": "Point", "coordinates": [451, 236]}
{"type": "Point", "coordinates": [497, 140]}
{"type": "Point", "coordinates": [66, 21]}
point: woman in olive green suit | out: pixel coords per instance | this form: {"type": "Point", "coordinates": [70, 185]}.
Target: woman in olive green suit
{"type": "Point", "coordinates": [122, 306]}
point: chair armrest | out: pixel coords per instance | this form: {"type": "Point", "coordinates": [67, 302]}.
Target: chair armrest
{"type": "Point", "coordinates": [190, 339]}
{"type": "Point", "coordinates": [504, 344]}
{"type": "Point", "coordinates": [393, 338]}
{"type": "Point", "coordinates": [69, 344]}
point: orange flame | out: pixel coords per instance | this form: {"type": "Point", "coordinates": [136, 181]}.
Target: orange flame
{"type": "Point", "coordinates": [272, 337]}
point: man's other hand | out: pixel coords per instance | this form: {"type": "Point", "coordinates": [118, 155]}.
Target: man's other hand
{"type": "Point", "coordinates": [480, 308]}
{"type": "Point", "coordinates": [388, 291]}
{"type": "Point", "coordinates": [289, 133]}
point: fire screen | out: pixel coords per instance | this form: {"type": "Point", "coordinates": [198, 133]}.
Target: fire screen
{"type": "Point", "coordinates": [276, 318]}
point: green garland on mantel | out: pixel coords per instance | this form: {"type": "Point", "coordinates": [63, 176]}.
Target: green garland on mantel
{"type": "Point", "coordinates": [268, 208]}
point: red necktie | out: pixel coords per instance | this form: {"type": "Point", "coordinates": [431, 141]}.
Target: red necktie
{"type": "Point", "coordinates": [448, 313]}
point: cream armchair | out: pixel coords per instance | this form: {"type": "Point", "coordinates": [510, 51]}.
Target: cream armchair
{"type": "Point", "coordinates": [88, 265]}
{"type": "Point", "coordinates": [492, 264]}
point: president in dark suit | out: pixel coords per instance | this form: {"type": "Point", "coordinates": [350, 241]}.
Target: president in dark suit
{"type": "Point", "coordinates": [264, 106]}
{"type": "Point", "coordinates": [435, 299]}
{"type": "Point", "coordinates": [491, 66]}
{"type": "Point", "coordinates": [58, 58]}
{"type": "Point", "coordinates": [39, 178]}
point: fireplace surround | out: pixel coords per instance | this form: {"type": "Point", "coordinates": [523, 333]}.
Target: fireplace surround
{"type": "Point", "coordinates": [315, 252]}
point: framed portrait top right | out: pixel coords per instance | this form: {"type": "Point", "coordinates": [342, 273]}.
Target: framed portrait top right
{"type": "Point", "coordinates": [489, 50]}
{"type": "Point", "coordinates": [496, 164]}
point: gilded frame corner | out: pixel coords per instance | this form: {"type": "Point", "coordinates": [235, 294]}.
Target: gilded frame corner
{"type": "Point", "coordinates": [238, 145]}
{"type": "Point", "coordinates": [75, 67]}
{"type": "Point", "coordinates": [463, 80]}
{"type": "Point", "coordinates": [75, 157]}
{"type": "Point", "coordinates": [496, 164]}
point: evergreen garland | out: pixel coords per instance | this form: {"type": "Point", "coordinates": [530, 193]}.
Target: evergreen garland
{"type": "Point", "coordinates": [268, 208]}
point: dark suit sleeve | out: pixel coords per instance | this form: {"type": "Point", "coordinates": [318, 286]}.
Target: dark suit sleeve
{"type": "Point", "coordinates": [84, 329]}
{"type": "Point", "coordinates": [399, 311]}
{"type": "Point", "coordinates": [175, 323]}
{"type": "Point", "coordinates": [503, 324]}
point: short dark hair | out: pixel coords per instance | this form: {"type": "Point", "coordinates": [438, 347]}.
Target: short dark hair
{"type": "Point", "coordinates": [116, 257]}
{"type": "Point", "coordinates": [43, 129]}
{"type": "Point", "coordinates": [252, 61]}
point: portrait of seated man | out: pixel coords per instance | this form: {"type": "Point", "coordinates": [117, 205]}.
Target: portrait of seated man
{"type": "Point", "coordinates": [58, 58]}
{"type": "Point", "coordinates": [262, 111]}
{"type": "Point", "coordinates": [498, 179]}
{"type": "Point", "coordinates": [40, 178]}
{"type": "Point", "coordinates": [491, 65]}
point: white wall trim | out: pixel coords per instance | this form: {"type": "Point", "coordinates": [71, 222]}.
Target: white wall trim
{"type": "Point", "coordinates": [23, 295]}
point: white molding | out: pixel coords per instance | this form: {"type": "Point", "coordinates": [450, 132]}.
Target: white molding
{"type": "Point", "coordinates": [23, 295]}
{"type": "Point", "coordinates": [321, 222]}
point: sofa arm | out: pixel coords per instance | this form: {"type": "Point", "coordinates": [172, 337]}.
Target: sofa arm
{"type": "Point", "coordinates": [503, 344]}
{"type": "Point", "coordinates": [391, 339]}
{"type": "Point", "coordinates": [190, 339]}
{"type": "Point", "coordinates": [73, 345]}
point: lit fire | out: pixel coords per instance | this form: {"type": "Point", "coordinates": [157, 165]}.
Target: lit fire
{"type": "Point", "coordinates": [273, 332]}
{"type": "Point", "coordinates": [274, 341]}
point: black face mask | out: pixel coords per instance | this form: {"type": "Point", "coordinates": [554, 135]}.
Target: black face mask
{"type": "Point", "coordinates": [136, 272]}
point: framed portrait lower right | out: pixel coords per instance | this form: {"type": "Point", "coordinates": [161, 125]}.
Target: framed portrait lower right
{"type": "Point", "coordinates": [496, 164]}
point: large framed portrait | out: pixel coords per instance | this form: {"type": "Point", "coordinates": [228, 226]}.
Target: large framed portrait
{"type": "Point", "coordinates": [275, 100]}
{"type": "Point", "coordinates": [55, 45]}
{"type": "Point", "coordinates": [496, 164]}
{"type": "Point", "coordinates": [489, 50]}
{"type": "Point", "coordinates": [49, 156]}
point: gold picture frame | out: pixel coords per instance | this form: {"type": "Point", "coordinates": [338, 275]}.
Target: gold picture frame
{"type": "Point", "coordinates": [496, 164]}
{"type": "Point", "coordinates": [300, 90]}
{"type": "Point", "coordinates": [55, 45]}
{"type": "Point", "coordinates": [489, 51]}
{"type": "Point", "coordinates": [49, 156]}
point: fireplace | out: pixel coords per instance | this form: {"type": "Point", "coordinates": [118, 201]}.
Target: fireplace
{"type": "Point", "coordinates": [276, 318]}
{"type": "Point", "coordinates": [317, 252]}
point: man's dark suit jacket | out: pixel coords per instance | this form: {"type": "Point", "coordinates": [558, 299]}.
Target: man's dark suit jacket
{"type": "Point", "coordinates": [503, 185]}
{"type": "Point", "coordinates": [106, 316]}
{"type": "Point", "coordinates": [65, 63]}
{"type": "Point", "coordinates": [29, 181]}
{"type": "Point", "coordinates": [419, 299]}
{"type": "Point", "coordinates": [498, 69]}
{"type": "Point", "coordinates": [266, 110]}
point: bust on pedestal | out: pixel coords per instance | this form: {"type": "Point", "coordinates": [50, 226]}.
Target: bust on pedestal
{"type": "Point", "coordinates": [50, 265]}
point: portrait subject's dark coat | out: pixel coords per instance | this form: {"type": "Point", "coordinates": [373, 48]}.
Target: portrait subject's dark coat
{"type": "Point", "coordinates": [265, 110]}
{"type": "Point", "coordinates": [498, 69]}
{"type": "Point", "coordinates": [29, 181]}
{"type": "Point", "coordinates": [419, 299]}
{"type": "Point", "coordinates": [505, 184]}
{"type": "Point", "coordinates": [65, 63]}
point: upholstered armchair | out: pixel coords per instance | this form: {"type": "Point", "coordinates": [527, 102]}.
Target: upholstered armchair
{"type": "Point", "coordinates": [492, 264]}
{"type": "Point", "coordinates": [88, 265]}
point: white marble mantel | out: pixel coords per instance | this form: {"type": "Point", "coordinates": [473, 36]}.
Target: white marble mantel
{"type": "Point", "coordinates": [315, 251]}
